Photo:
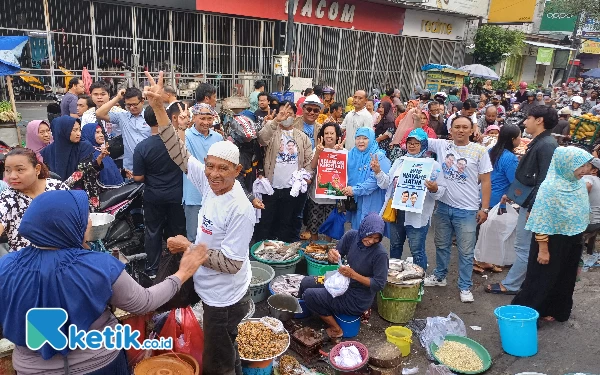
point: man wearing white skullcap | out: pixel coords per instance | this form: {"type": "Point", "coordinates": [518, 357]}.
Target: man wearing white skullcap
{"type": "Point", "coordinates": [225, 226]}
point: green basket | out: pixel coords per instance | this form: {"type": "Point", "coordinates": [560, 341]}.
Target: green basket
{"type": "Point", "coordinates": [481, 352]}
{"type": "Point", "coordinates": [397, 303]}
{"type": "Point", "coordinates": [256, 245]}
{"type": "Point", "coordinates": [582, 122]}
{"type": "Point", "coordinates": [324, 269]}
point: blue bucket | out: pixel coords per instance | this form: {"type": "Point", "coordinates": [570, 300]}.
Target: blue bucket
{"type": "Point", "coordinates": [518, 329]}
{"type": "Point", "coordinates": [350, 324]}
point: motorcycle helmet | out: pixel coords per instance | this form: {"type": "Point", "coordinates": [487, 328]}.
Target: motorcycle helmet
{"type": "Point", "coordinates": [577, 99]}
{"type": "Point", "coordinates": [523, 85]}
{"type": "Point", "coordinates": [241, 129]}
{"type": "Point", "coordinates": [530, 93]}
{"type": "Point", "coordinates": [328, 90]}
{"type": "Point", "coordinates": [425, 95]}
{"type": "Point", "coordinates": [453, 91]}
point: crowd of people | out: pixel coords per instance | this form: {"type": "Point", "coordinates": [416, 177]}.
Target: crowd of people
{"type": "Point", "coordinates": [214, 184]}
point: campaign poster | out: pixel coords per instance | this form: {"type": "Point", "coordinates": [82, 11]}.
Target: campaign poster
{"type": "Point", "coordinates": [332, 174]}
{"type": "Point", "coordinates": [410, 191]}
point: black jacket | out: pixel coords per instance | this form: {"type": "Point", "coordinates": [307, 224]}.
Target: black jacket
{"type": "Point", "coordinates": [534, 165]}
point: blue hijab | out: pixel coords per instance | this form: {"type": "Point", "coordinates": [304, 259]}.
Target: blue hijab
{"type": "Point", "coordinates": [62, 156]}
{"type": "Point", "coordinates": [110, 174]}
{"type": "Point", "coordinates": [359, 162]}
{"type": "Point", "coordinates": [421, 136]}
{"type": "Point", "coordinates": [72, 278]}
{"type": "Point", "coordinates": [562, 205]}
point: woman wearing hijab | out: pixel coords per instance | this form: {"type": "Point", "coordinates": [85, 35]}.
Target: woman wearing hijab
{"type": "Point", "coordinates": [68, 150]}
{"type": "Point", "coordinates": [539, 98]}
{"type": "Point", "coordinates": [38, 136]}
{"type": "Point", "coordinates": [362, 184]}
{"type": "Point", "coordinates": [57, 272]}
{"type": "Point", "coordinates": [558, 218]}
{"type": "Point", "coordinates": [110, 174]}
{"type": "Point", "coordinates": [415, 118]}
{"type": "Point", "coordinates": [410, 105]}
{"type": "Point", "coordinates": [367, 267]}
{"type": "Point", "coordinates": [411, 225]}
{"type": "Point", "coordinates": [385, 128]}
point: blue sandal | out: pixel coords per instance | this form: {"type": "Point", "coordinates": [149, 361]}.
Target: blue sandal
{"type": "Point", "coordinates": [497, 289]}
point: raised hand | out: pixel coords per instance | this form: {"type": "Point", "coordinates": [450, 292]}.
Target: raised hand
{"type": "Point", "coordinates": [375, 164]}
{"type": "Point", "coordinates": [270, 116]}
{"type": "Point", "coordinates": [121, 94]}
{"type": "Point", "coordinates": [283, 113]}
{"type": "Point", "coordinates": [155, 90]}
{"type": "Point", "coordinates": [183, 120]}
{"type": "Point", "coordinates": [417, 117]}
{"type": "Point", "coordinates": [320, 146]}
{"type": "Point", "coordinates": [339, 145]}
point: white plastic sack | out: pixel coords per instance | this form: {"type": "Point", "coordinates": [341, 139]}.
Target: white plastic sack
{"type": "Point", "coordinates": [438, 327]}
{"type": "Point", "coordinates": [337, 284]}
{"type": "Point", "coordinates": [496, 242]}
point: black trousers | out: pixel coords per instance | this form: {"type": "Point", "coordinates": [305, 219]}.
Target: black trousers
{"type": "Point", "coordinates": [162, 220]}
{"type": "Point", "coordinates": [220, 355]}
{"type": "Point", "coordinates": [280, 218]}
{"type": "Point", "coordinates": [548, 288]}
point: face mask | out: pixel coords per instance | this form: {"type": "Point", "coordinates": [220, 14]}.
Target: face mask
{"type": "Point", "coordinates": [287, 122]}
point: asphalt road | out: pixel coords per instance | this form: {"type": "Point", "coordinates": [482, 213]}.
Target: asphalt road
{"type": "Point", "coordinates": [569, 347]}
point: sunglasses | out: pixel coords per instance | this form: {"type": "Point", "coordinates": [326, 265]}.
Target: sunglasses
{"type": "Point", "coordinates": [312, 110]}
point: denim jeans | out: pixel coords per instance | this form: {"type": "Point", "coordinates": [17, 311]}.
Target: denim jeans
{"type": "Point", "coordinates": [191, 221]}
{"type": "Point", "coordinates": [516, 275]}
{"type": "Point", "coordinates": [416, 241]}
{"type": "Point", "coordinates": [448, 221]}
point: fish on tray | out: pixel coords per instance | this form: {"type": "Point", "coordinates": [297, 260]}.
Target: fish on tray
{"type": "Point", "coordinates": [277, 250]}
{"type": "Point", "coordinates": [287, 284]}
{"type": "Point", "coordinates": [401, 271]}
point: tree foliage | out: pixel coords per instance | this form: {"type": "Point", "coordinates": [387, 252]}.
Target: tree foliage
{"type": "Point", "coordinates": [591, 8]}
{"type": "Point", "coordinates": [494, 43]}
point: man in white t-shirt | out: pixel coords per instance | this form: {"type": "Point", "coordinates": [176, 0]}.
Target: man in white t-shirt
{"type": "Point", "coordinates": [225, 226]}
{"type": "Point", "coordinates": [357, 118]}
{"type": "Point", "coordinates": [458, 211]}
{"type": "Point", "coordinates": [469, 109]}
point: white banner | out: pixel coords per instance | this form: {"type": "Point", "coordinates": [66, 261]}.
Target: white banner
{"type": "Point", "coordinates": [433, 25]}
{"type": "Point", "coordinates": [477, 8]}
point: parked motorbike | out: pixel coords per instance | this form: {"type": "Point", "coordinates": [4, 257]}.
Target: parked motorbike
{"type": "Point", "coordinates": [516, 118]}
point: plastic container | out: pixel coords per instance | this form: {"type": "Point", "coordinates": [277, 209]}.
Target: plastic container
{"type": "Point", "coordinates": [518, 329]}
{"type": "Point", "coordinates": [324, 269]}
{"type": "Point", "coordinates": [259, 292]}
{"type": "Point", "coordinates": [313, 267]}
{"type": "Point", "coordinates": [401, 337]}
{"type": "Point", "coordinates": [257, 367]}
{"type": "Point", "coordinates": [280, 268]}
{"type": "Point", "coordinates": [335, 351]}
{"type": "Point", "coordinates": [349, 324]}
{"type": "Point", "coordinates": [397, 303]}
{"type": "Point", "coordinates": [479, 350]}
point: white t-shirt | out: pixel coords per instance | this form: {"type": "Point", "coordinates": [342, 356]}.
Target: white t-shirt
{"type": "Point", "coordinates": [461, 167]}
{"type": "Point", "coordinates": [225, 223]}
{"type": "Point", "coordinates": [286, 162]}
{"type": "Point", "coordinates": [449, 121]}
{"type": "Point", "coordinates": [594, 196]}
{"type": "Point", "coordinates": [353, 121]}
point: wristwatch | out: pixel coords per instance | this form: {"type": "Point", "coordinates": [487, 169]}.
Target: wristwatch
{"type": "Point", "coordinates": [486, 210]}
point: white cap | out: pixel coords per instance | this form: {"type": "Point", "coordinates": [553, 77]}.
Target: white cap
{"type": "Point", "coordinates": [314, 100]}
{"type": "Point", "coordinates": [225, 150]}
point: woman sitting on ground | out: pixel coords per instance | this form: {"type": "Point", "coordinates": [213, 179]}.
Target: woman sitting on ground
{"type": "Point", "coordinates": [56, 272]}
{"type": "Point", "coordinates": [367, 269]}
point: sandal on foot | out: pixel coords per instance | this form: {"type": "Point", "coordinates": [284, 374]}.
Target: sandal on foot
{"type": "Point", "coordinates": [335, 339]}
{"type": "Point", "coordinates": [477, 269]}
{"type": "Point", "coordinates": [497, 289]}
{"type": "Point", "coordinates": [496, 269]}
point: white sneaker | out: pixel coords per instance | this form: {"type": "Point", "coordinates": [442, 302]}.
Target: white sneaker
{"type": "Point", "coordinates": [466, 296]}
{"type": "Point", "coordinates": [432, 280]}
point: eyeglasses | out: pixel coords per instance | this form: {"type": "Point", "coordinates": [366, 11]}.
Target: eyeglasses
{"type": "Point", "coordinates": [133, 105]}
{"type": "Point", "coordinates": [312, 110]}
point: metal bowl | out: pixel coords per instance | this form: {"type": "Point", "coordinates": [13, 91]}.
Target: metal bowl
{"type": "Point", "coordinates": [283, 307]}
{"type": "Point", "coordinates": [101, 222]}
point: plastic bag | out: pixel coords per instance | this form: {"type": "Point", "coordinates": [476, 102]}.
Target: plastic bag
{"type": "Point", "coordinates": [496, 243]}
{"type": "Point", "coordinates": [169, 264]}
{"type": "Point", "coordinates": [334, 224]}
{"type": "Point", "coordinates": [188, 337]}
{"type": "Point", "coordinates": [434, 369]}
{"type": "Point", "coordinates": [337, 284]}
{"type": "Point", "coordinates": [438, 327]}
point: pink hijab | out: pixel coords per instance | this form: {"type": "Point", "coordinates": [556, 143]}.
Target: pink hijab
{"type": "Point", "coordinates": [406, 124]}
{"type": "Point", "coordinates": [32, 140]}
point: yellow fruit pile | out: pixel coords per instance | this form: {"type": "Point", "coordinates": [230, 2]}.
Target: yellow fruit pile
{"type": "Point", "coordinates": [584, 127]}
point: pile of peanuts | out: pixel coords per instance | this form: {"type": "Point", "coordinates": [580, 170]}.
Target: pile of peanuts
{"type": "Point", "coordinates": [257, 341]}
{"type": "Point", "coordinates": [459, 357]}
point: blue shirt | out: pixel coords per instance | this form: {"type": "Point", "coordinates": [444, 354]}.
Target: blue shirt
{"type": "Point", "coordinates": [503, 175]}
{"type": "Point", "coordinates": [310, 131]}
{"type": "Point", "coordinates": [198, 145]}
{"type": "Point", "coordinates": [133, 129]}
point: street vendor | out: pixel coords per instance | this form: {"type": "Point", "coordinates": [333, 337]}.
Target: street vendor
{"type": "Point", "coordinates": [54, 271]}
{"type": "Point", "coordinates": [367, 269]}
{"type": "Point", "coordinates": [225, 225]}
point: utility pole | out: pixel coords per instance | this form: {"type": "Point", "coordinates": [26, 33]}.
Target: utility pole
{"type": "Point", "coordinates": [569, 68]}
{"type": "Point", "coordinates": [289, 40]}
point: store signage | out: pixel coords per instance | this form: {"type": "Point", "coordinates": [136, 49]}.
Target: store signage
{"type": "Point", "coordinates": [503, 11]}
{"type": "Point", "coordinates": [590, 46]}
{"type": "Point", "coordinates": [349, 14]}
{"type": "Point", "coordinates": [556, 22]}
{"type": "Point", "coordinates": [478, 8]}
{"type": "Point", "coordinates": [428, 25]}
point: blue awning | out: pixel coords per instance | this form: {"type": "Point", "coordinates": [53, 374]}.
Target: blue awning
{"type": "Point", "coordinates": [436, 66]}
{"type": "Point", "coordinates": [11, 48]}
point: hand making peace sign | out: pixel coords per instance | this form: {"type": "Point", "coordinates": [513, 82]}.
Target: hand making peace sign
{"type": "Point", "coordinates": [183, 120]}
{"type": "Point", "coordinates": [375, 164]}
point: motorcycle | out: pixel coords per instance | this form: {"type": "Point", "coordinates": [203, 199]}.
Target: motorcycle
{"type": "Point", "coordinates": [516, 118]}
